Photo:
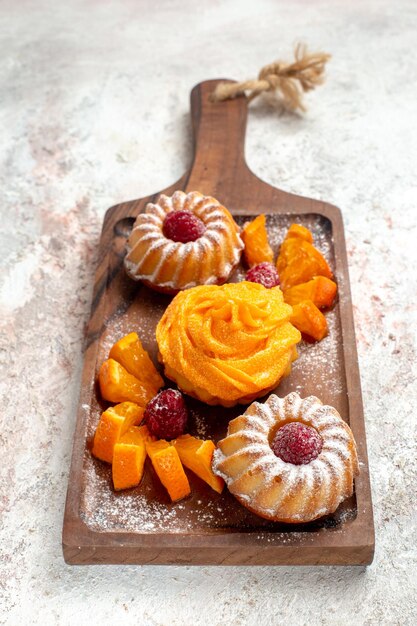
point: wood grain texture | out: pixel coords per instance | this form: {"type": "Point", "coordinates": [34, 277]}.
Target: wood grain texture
{"type": "Point", "coordinates": [218, 169]}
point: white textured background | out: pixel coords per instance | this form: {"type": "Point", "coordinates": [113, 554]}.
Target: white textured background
{"type": "Point", "coordinates": [94, 110]}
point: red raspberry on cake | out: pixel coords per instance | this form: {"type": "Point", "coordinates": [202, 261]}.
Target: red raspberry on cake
{"type": "Point", "coordinates": [182, 241]}
{"type": "Point", "coordinates": [183, 226]}
{"type": "Point", "coordinates": [166, 414]}
{"type": "Point", "coordinates": [297, 443]}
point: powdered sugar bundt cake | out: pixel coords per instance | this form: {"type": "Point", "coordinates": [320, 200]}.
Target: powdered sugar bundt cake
{"type": "Point", "coordinates": [288, 460]}
{"type": "Point", "coordinates": [183, 241]}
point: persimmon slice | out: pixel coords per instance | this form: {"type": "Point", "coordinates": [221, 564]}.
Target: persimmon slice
{"type": "Point", "coordinates": [169, 469]}
{"type": "Point", "coordinates": [300, 232]}
{"type": "Point", "coordinates": [309, 320]}
{"type": "Point", "coordinates": [197, 455]}
{"type": "Point", "coordinates": [257, 248]}
{"type": "Point", "coordinates": [299, 261]}
{"type": "Point", "coordinates": [114, 422]}
{"type": "Point", "coordinates": [117, 385]}
{"type": "Point", "coordinates": [129, 458]}
{"type": "Point", "coordinates": [320, 290]}
{"type": "Point", "coordinates": [129, 352]}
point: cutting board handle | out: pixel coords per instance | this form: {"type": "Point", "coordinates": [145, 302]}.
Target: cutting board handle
{"type": "Point", "coordinates": [219, 140]}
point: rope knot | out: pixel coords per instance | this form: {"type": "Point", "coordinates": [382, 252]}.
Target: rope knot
{"type": "Point", "coordinates": [287, 81]}
{"type": "Point", "coordinates": [270, 72]}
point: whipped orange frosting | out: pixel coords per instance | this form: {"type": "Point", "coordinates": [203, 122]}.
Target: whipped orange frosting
{"type": "Point", "coordinates": [227, 344]}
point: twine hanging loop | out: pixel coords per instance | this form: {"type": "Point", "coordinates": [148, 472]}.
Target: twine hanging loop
{"type": "Point", "coordinates": [288, 81]}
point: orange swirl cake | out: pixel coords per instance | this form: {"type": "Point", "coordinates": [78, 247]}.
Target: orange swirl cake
{"type": "Point", "coordinates": [183, 241]}
{"type": "Point", "coordinates": [228, 344]}
{"type": "Point", "coordinates": [319, 451]}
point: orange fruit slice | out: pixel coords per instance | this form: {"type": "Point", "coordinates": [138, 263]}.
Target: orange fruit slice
{"type": "Point", "coordinates": [129, 458]}
{"type": "Point", "coordinates": [130, 353]}
{"type": "Point", "coordinates": [320, 290]}
{"type": "Point", "coordinates": [117, 385]}
{"type": "Point", "coordinates": [168, 468]}
{"type": "Point", "coordinates": [309, 320]}
{"type": "Point", "coordinates": [300, 232]}
{"type": "Point", "coordinates": [257, 248]}
{"type": "Point", "coordinates": [299, 261]}
{"type": "Point", "coordinates": [197, 454]}
{"type": "Point", "coordinates": [112, 425]}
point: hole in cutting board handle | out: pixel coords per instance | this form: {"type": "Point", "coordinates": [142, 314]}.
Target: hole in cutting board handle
{"type": "Point", "coordinates": [123, 227]}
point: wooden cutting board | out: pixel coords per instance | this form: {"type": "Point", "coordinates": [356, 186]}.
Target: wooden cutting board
{"type": "Point", "coordinates": [141, 525]}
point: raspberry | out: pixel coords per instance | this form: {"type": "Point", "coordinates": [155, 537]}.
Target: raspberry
{"type": "Point", "coordinates": [166, 414]}
{"type": "Point", "coordinates": [183, 226]}
{"type": "Point", "coordinates": [296, 443]}
{"type": "Point", "coordinates": [265, 274]}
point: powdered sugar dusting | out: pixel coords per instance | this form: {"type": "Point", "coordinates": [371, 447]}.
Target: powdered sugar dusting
{"type": "Point", "coordinates": [331, 468]}
{"type": "Point", "coordinates": [325, 356]}
{"type": "Point", "coordinates": [221, 241]}
{"type": "Point", "coordinates": [147, 509]}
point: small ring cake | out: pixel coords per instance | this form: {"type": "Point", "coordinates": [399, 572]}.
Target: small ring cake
{"type": "Point", "coordinates": [319, 451]}
{"type": "Point", "coordinates": [183, 241]}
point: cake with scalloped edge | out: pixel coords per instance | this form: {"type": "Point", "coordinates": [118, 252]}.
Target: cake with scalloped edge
{"type": "Point", "coordinates": [319, 467]}
{"type": "Point", "coordinates": [183, 241]}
